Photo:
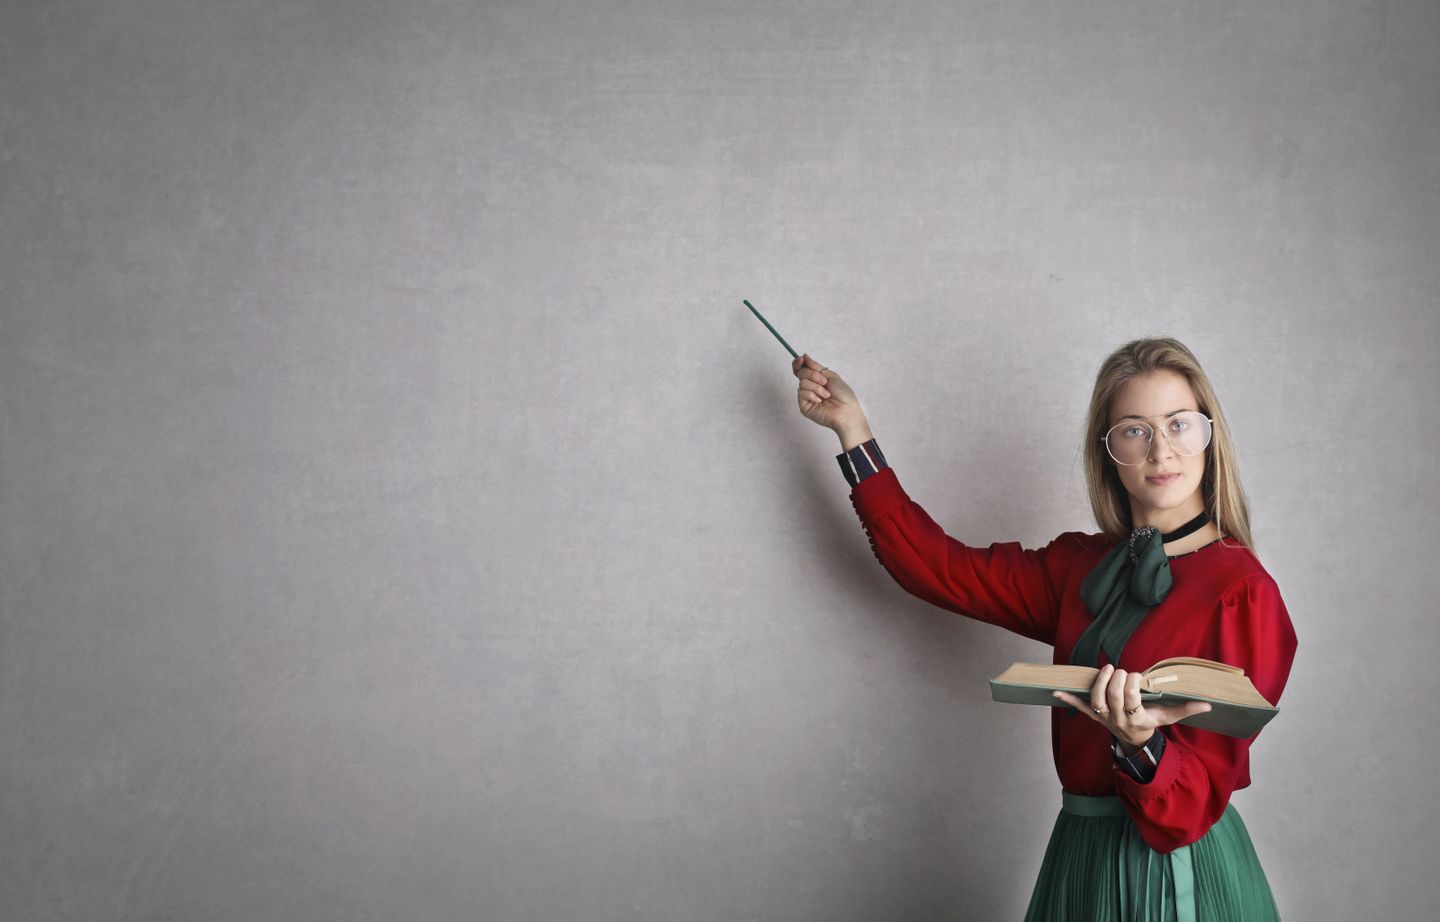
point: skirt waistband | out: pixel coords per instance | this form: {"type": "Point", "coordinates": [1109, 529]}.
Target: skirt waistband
{"type": "Point", "coordinates": [1182, 872]}
{"type": "Point", "coordinates": [1082, 805]}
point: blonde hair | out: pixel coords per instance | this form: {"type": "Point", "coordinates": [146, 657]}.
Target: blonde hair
{"type": "Point", "coordinates": [1220, 486]}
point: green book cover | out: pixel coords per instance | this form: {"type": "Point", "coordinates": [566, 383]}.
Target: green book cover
{"type": "Point", "coordinates": [1237, 709]}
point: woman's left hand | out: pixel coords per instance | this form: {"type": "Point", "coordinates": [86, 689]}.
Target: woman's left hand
{"type": "Point", "coordinates": [1114, 691]}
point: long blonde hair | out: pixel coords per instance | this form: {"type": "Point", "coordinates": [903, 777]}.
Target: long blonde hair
{"type": "Point", "coordinates": [1220, 486]}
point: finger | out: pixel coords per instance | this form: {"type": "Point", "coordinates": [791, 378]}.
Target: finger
{"type": "Point", "coordinates": [813, 388]}
{"type": "Point", "coordinates": [1097, 691]}
{"type": "Point", "coordinates": [1132, 694]}
{"type": "Point", "coordinates": [817, 386]}
{"type": "Point", "coordinates": [1115, 691]}
{"type": "Point", "coordinates": [1078, 704]}
{"type": "Point", "coordinates": [813, 375]}
{"type": "Point", "coordinates": [811, 363]}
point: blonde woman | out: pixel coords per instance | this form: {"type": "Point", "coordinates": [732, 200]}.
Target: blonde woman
{"type": "Point", "coordinates": [1146, 830]}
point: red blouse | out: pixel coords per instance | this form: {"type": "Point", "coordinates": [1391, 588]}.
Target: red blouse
{"type": "Point", "coordinates": [1222, 606]}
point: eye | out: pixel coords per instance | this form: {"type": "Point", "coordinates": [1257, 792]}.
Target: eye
{"type": "Point", "coordinates": [1134, 432]}
{"type": "Point", "coordinates": [1179, 425]}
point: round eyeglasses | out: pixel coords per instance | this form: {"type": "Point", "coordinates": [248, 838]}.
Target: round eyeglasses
{"type": "Point", "coordinates": [1129, 442]}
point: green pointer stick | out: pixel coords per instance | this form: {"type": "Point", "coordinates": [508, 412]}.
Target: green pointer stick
{"type": "Point", "coordinates": [770, 328]}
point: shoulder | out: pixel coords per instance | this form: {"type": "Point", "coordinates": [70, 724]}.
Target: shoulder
{"type": "Point", "coordinates": [1080, 544]}
{"type": "Point", "coordinates": [1250, 603]}
{"type": "Point", "coordinates": [1231, 567]}
{"type": "Point", "coordinates": [1076, 551]}
{"type": "Point", "coordinates": [1251, 620]}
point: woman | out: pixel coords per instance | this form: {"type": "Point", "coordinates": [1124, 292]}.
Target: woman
{"type": "Point", "coordinates": [1146, 830]}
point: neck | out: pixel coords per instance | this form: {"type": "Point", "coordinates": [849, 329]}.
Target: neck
{"type": "Point", "coordinates": [1167, 520]}
{"type": "Point", "coordinates": [1193, 541]}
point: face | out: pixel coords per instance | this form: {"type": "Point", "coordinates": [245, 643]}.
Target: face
{"type": "Point", "coordinates": [1170, 503]}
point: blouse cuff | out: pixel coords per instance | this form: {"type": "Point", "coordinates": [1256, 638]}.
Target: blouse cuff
{"type": "Point", "coordinates": [1143, 764]}
{"type": "Point", "coordinates": [1164, 778]}
{"type": "Point", "coordinates": [864, 460]}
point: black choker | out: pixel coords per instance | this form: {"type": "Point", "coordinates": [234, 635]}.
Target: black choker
{"type": "Point", "coordinates": [1194, 525]}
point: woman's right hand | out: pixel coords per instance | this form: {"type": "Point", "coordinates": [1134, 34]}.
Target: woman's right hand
{"type": "Point", "coordinates": [825, 398]}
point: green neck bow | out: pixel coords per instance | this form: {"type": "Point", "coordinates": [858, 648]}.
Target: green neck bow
{"type": "Point", "coordinates": [1122, 588]}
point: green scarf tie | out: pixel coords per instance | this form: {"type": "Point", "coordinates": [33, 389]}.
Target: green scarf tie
{"type": "Point", "coordinates": [1120, 591]}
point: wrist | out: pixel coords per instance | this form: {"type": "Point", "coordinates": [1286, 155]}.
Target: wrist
{"type": "Point", "coordinates": [852, 434]}
{"type": "Point", "coordinates": [1131, 745]}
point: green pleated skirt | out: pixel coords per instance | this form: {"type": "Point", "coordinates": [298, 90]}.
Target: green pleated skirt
{"type": "Point", "coordinates": [1097, 867]}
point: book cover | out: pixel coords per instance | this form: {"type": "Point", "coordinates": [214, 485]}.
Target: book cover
{"type": "Point", "coordinates": [1237, 709]}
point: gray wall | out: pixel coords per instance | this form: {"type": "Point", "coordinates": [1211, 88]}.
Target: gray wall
{"type": "Point", "coordinates": [404, 519]}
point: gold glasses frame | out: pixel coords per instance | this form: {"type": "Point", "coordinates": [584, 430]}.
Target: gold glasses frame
{"type": "Point", "coordinates": [1150, 440]}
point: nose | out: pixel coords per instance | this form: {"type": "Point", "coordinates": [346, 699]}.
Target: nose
{"type": "Point", "coordinates": [1160, 447]}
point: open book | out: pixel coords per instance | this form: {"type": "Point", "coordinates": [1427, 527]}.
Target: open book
{"type": "Point", "coordinates": [1236, 708]}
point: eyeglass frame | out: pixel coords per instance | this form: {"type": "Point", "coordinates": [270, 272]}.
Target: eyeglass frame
{"type": "Point", "coordinates": [1105, 439]}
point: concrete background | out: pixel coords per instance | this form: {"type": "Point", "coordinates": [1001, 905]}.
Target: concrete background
{"type": "Point", "coordinates": [402, 517]}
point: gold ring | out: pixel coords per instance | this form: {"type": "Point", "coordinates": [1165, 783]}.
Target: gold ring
{"type": "Point", "coordinates": [1131, 710]}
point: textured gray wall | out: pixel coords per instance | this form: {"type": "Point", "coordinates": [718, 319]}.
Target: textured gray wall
{"type": "Point", "coordinates": [404, 519]}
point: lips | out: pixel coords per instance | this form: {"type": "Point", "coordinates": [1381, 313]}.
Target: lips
{"type": "Point", "coordinates": [1163, 479]}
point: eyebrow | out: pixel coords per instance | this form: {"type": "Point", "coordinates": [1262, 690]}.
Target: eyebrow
{"type": "Point", "coordinates": [1171, 413]}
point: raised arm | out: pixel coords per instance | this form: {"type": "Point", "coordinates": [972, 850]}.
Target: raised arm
{"type": "Point", "coordinates": [1003, 584]}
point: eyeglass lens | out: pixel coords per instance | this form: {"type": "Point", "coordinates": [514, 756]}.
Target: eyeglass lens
{"type": "Point", "coordinates": [1129, 442]}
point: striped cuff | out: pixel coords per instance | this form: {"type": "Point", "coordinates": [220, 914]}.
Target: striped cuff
{"type": "Point", "coordinates": [861, 461]}
{"type": "Point", "coordinates": [1142, 765]}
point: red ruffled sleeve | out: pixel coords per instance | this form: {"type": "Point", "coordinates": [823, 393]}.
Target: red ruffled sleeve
{"type": "Point", "coordinates": [1003, 584]}
{"type": "Point", "coordinates": [1200, 768]}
